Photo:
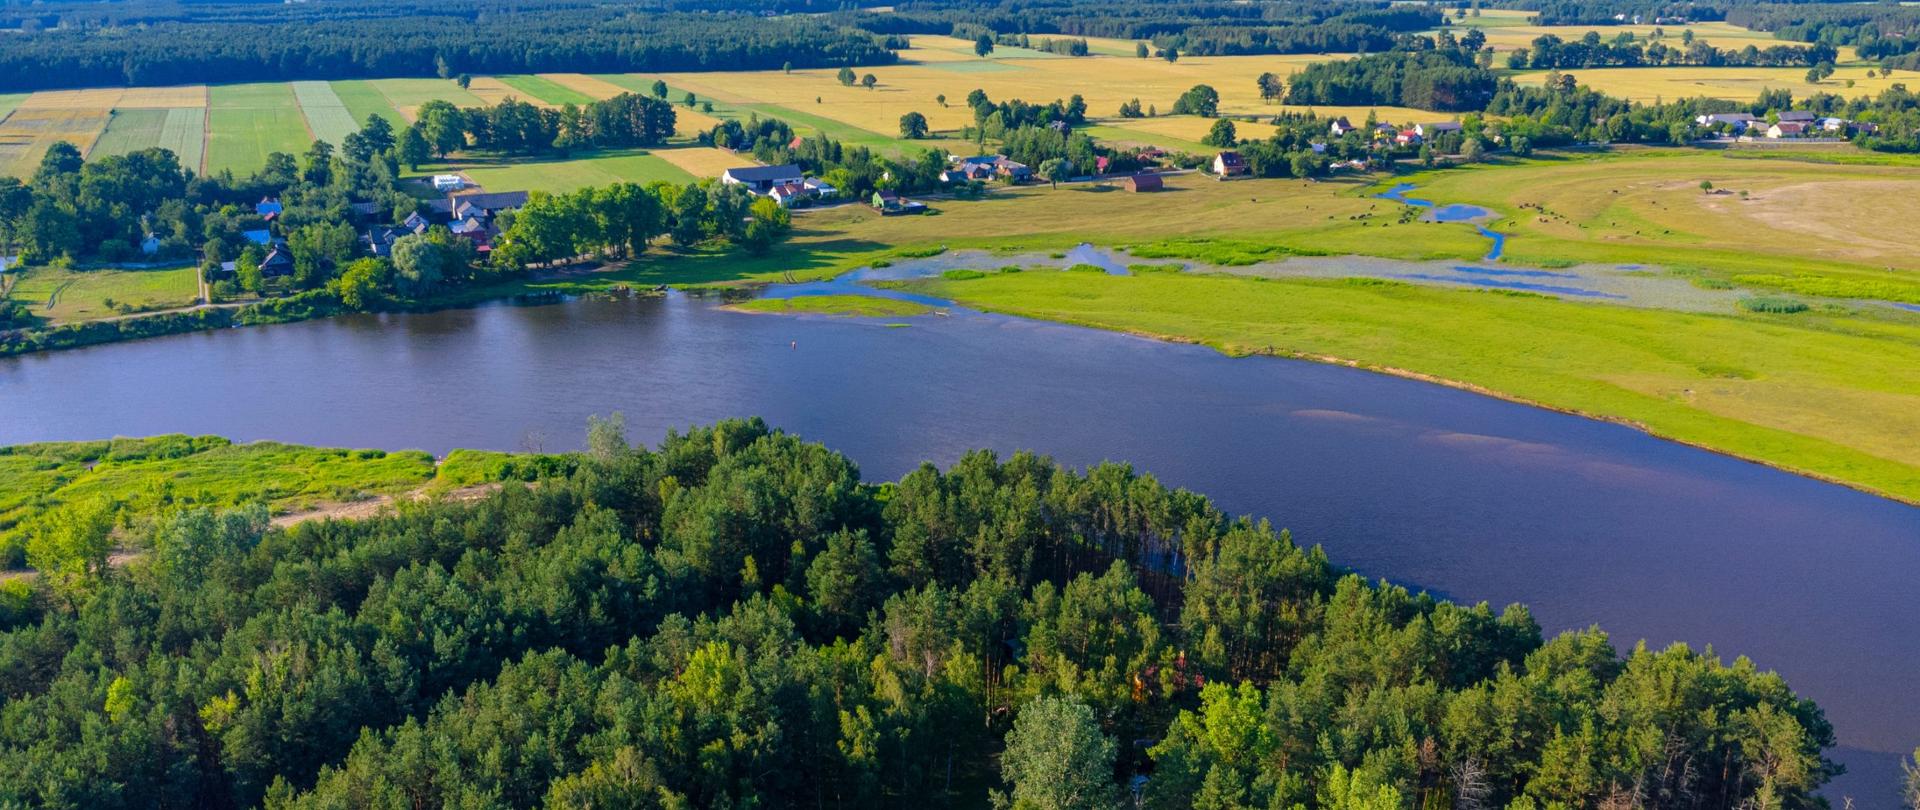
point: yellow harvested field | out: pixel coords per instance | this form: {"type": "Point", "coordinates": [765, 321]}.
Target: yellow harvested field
{"type": "Point", "coordinates": [190, 95]}
{"type": "Point", "coordinates": [1720, 35]}
{"type": "Point", "coordinates": [1104, 81]}
{"type": "Point", "coordinates": [703, 161]}
{"type": "Point", "coordinates": [1737, 83]}
{"type": "Point", "coordinates": [689, 122]}
{"type": "Point", "coordinates": [492, 91]}
{"type": "Point", "coordinates": [26, 134]}
{"type": "Point", "coordinates": [588, 85]}
{"type": "Point", "coordinates": [1191, 128]}
{"type": "Point", "coordinates": [99, 99]}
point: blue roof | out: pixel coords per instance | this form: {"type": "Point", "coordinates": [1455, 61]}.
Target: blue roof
{"type": "Point", "coordinates": [259, 237]}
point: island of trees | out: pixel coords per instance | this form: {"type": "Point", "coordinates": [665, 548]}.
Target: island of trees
{"type": "Point", "coordinates": [736, 619]}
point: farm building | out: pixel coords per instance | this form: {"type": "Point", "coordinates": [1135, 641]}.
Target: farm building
{"type": "Point", "coordinates": [1145, 182]}
{"type": "Point", "coordinates": [889, 204]}
{"type": "Point", "coordinates": [1431, 130]}
{"type": "Point", "coordinates": [448, 182]}
{"type": "Point", "coordinates": [1797, 117]}
{"type": "Point", "coordinates": [1787, 129]}
{"type": "Point", "coordinates": [1228, 164]}
{"type": "Point", "coordinates": [762, 179]}
{"type": "Point", "coordinates": [1737, 121]}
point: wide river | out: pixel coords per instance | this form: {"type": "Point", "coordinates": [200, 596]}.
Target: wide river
{"type": "Point", "coordinates": [1470, 497]}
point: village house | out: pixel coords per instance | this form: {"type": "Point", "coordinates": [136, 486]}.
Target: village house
{"type": "Point", "coordinates": [448, 182]}
{"type": "Point", "coordinates": [1840, 125]}
{"type": "Point", "coordinates": [1737, 121]}
{"type": "Point", "coordinates": [890, 204]}
{"type": "Point", "coordinates": [1229, 164]}
{"type": "Point", "coordinates": [1435, 129]}
{"type": "Point", "coordinates": [1797, 117]}
{"type": "Point", "coordinates": [278, 262]}
{"type": "Point", "coordinates": [1407, 138]}
{"type": "Point", "coordinates": [1340, 126]}
{"type": "Point", "coordinates": [258, 236]}
{"type": "Point", "coordinates": [819, 187]}
{"type": "Point", "coordinates": [762, 179]}
{"type": "Point", "coordinates": [1787, 129]}
{"type": "Point", "coordinates": [268, 207]}
{"type": "Point", "coordinates": [1145, 182]}
{"type": "Point", "coordinates": [787, 194]}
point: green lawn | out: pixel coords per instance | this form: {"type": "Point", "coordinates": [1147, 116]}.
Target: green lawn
{"type": "Point", "coordinates": [249, 121]}
{"type": "Point", "coordinates": [80, 295]}
{"type": "Point", "coordinates": [181, 129]}
{"type": "Point", "coordinates": [327, 116]}
{"type": "Point", "coordinates": [536, 174]}
{"type": "Point", "coordinates": [362, 99]}
{"type": "Point", "coordinates": [405, 94]}
{"type": "Point", "coordinates": [547, 90]}
{"type": "Point", "coordinates": [183, 470]}
{"type": "Point", "coordinates": [1831, 396]}
{"type": "Point", "coordinates": [858, 306]}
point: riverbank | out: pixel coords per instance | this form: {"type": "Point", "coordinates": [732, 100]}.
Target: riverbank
{"type": "Point", "coordinates": [1786, 391]}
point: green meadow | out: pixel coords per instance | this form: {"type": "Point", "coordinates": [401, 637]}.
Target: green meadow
{"type": "Point", "coordinates": [327, 116]}
{"type": "Point", "coordinates": [180, 129]}
{"type": "Point", "coordinates": [544, 89]}
{"type": "Point", "coordinates": [363, 99]}
{"type": "Point", "coordinates": [249, 121]}
{"type": "Point", "coordinates": [856, 306]}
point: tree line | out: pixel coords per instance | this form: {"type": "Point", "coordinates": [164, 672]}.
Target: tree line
{"type": "Point", "coordinates": [167, 43]}
{"type": "Point", "coordinates": [736, 619]}
{"type": "Point", "coordinates": [522, 128]}
{"type": "Point", "coordinates": [1549, 51]}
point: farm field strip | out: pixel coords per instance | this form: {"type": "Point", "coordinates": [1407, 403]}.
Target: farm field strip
{"type": "Point", "coordinates": [362, 99]}
{"type": "Point", "coordinates": [327, 116]}
{"type": "Point", "coordinates": [491, 90]}
{"type": "Point", "coordinates": [100, 98]}
{"type": "Point", "coordinates": [10, 101]}
{"type": "Point", "coordinates": [540, 89]}
{"type": "Point", "coordinates": [27, 133]}
{"type": "Point", "coordinates": [180, 129]}
{"type": "Point", "coordinates": [406, 95]}
{"type": "Point", "coordinates": [703, 161]}
{"type": "Point", "coordinates": [1735, 83]}
{"type": "Point", "coordinates": [185, 95]}
{"type": "Point", "coordinates": [589, 86]}
{"type": "Point", "coordinates": [248, 121]}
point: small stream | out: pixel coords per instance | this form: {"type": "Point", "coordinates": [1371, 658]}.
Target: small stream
{"type": "Point", "coordinates": [1453, 212]}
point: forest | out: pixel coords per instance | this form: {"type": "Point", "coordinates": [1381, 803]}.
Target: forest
{"type": "Point", "coordinates": [253, 42]}
{"type": "Point", "coordinates": [737, 619]}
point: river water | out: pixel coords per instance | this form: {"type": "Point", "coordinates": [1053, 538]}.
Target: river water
{"type": "Point", "coordinates": [1468, 496]}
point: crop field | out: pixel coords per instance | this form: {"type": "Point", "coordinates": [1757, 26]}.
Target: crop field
{"type": "Point", "coordinates": [180, 129]}
{"type": "Point", "coordinates": [513, 174]}
{"type": "Point", "coordinates": [363, 99]}
{"type": "Point", "coordinates": [1105, 83]}
{"type": "Point", "coordinates": [187, 95]}
{"type": "Point", "coordinates": [1722, 35]}
{"type": "Point", "coordinates": [63, 296]}
{"type": "Point", "coordinates": [542, 90]}
{"type": "Point", "coordinates": [702, 161]}
{"type": "Point", "coordinates": [491, 90]}
{"type": "Point", "coordinates": [326, 115]}
{"type": "Point", "coordinates": [1737, 83]}
{"type": "Point", "coordinates": [406, 95]}
{"type": "Point", "coordinates": [28, 132]}
{"type": "Point", "coordinates": [588, 86]}
{"type": "Point", "coordinates": [248, 121]}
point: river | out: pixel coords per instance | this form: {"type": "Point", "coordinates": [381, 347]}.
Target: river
{"type": "Point", "coordinates": [1468, 496]}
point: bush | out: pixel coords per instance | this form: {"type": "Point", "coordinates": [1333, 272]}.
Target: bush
{"type": "Point", "coordinates": [1773, 305]}
{"type": "Point", "coordinates": [962, 275]}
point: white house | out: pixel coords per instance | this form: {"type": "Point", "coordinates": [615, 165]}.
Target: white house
{"type": "Point", "coordinates": [762, 179]}
{"type": "Point", "coordinates": [1430, 130]}
{"type": "Point", "coordinates": [448, 182]}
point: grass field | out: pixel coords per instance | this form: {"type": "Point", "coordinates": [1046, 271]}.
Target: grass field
{"type": "Point", "coordinates": [327, 116]}
{"type": "Point", "coordinates": [181, 129]}
{"type": "Point", "coordinates": [363, 99]}
{"type": "Point", "coordinates": [596, 169]}
{"type": "Point", "coordinates": [1828, 396]}
{"type": "Point", "coordinates": [248, 121]}
{"type": "Point", "coordinates": [852, 306]}
{"type": "Point", "coordinates": [1795, 219]}
{"type": "Point", "coordinates": [541, 89]}
{"type": "Point", "coordinates": [182, 471]}
{"type": "Point", "coordinates": [62, 296]}
{"type": "Point", "coordinates": [585, 85]}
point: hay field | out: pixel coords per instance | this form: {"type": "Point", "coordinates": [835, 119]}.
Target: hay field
{"type": "Point", "coordinates": [362, 99]}
{"type": "Point", "coordinates": [29, 131]}
{"type": "Point", "coordinates": [703, 161]}
{"type": "Point", "coordinates": [187, 95]}
{"type": "Point", "coordinates": [1187, 128]}
{"type": "Point", "coordinates": [1104, 81]}
{"type": "Point", "coordinates": [492, 90]}
{"type": "Point", "coordinates": [101, 99]}
{"type": "Point", "coordinates": [180, 129]}
{"type": "Point", "coordinates": [327, 116]}
{"type": "Point", "coordinates": [1737, 83]}
{"type": "Point", "coordinates": [248, 121]}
